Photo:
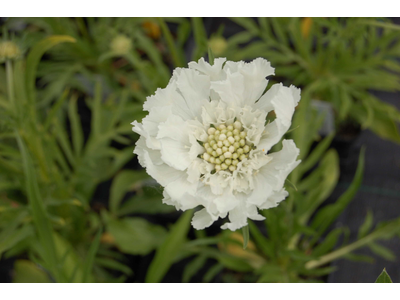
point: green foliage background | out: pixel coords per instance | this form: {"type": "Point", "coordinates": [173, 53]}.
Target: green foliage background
{"type": "Point", "coordinates": [51, 166]}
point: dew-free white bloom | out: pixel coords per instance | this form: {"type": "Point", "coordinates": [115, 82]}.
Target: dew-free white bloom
{"type": "Point", "coordinates": [206, 141]}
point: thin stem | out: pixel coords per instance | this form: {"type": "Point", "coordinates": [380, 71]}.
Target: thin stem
{"type": "Point", "coordinates": [10, 81]}
{"type": "Point", "coordinates": [385, 230]}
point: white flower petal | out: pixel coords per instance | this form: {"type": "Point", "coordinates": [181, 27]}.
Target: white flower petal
{"type": "Point", "coordinates": [163, 173]}
{"type": "Point", "coordinates": [274, 199]}
{"type": "Point", "coordinates": [282, 100]}
{"type": "Point", "coordinates": [237, 217]}
{"type": "Point", "coordinates": [214, 71]}
{"type": "Point", "coordinates": [184, 203]}
{"type": "Point", "coordinates": [254, 74]}
{"type": "Point", "coordinates": [202, 219]}
{"type": "Point", "coordinates": [169, 97]}
{"type": "Point", "coordinates": [283, 162]}
{"type": "Point", "coordinates": [195, 89]}
{"type": "Point", "coordinates": [231, 90]}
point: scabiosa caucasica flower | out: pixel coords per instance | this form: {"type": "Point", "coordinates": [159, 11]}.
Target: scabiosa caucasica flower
{"type": "Point", "coordinates": [207, 142]}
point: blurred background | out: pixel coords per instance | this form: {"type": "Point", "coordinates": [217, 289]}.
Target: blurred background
{"type": "Point", "coordinates": [76, 206]}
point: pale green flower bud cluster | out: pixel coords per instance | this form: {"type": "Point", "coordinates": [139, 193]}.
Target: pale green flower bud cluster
{"type": "Point", "coordinates": [226, 146]}
{"type": "Point", "coordinates": [9, 50]}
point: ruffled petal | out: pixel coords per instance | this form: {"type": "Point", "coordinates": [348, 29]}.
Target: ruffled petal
{"type": "Point", "coordinates": [184, 203]}
{"type": "Point", "coordinates": [231, 90]}
{"type": "Point", "coordinates": [171, 98]}
{"type": "Point", "coordinates": [282, 100]}
{"type": "Point", "coordinates": [195, 89]}
{"type": "Point", "coordinates": [237, 217]}
{"type": "Point", "coordinates": [283, 162]}
{"type": "Point", "coordinates": [274, 199]}
{"type": "Point", "coordinates": [202, 219]}
{"type": "Point", "coordinates": [215, 71]}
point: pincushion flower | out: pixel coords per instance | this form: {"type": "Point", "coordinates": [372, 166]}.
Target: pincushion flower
{"type": "Point", "coordinates": [207, 142]}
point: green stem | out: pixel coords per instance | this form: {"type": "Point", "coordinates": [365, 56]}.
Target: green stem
{"type": "Point", "coordinates": [353, 246]}
{"type": "Point", "coordinates": [245, 231]}
{"type": "Point", "coordinates": [10, 81]}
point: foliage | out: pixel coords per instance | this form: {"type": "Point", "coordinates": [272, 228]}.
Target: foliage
{"type": "Point", "coordinates": [65, 111]}
{"type": "Point", "coordinates": [343, 59]}
{"type": "Point", "coordinates": [296, 242]}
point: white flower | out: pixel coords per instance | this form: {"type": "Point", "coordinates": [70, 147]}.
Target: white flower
{"type": "Point", "coordinates": [206, 141]}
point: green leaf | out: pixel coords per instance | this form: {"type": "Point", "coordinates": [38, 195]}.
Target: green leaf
{"type": "Point", "coordinates": [147, 203]}
{"type": "Point", "coordinates": [329, 213]}
{"type": "Point", "coordinates": [212, 272]}
{"type": "Point", "coordinates": [39, 215]}
{"type": "Point", "coordinates": [178, 61]}
{"type": "Point", "coordinates": [384, 278]}
{"type": "Point", "coordinates": [200, 37]}
{"type": "Point", "coordinates": [329, 242]}
{"type": "Point", "coordinates": [34, 57]}
{"type": "Point", "coordinates": [76, 127]}
{"type": "Point", "coordinates": [245, 232]}
{"type": "Point", "coordinates": [135, 235]}
{"type": "Point", "coordinates": [366, 226]}
{"type": "Point", "coordinates": [26, 271]}
{"type": "Point", "coordinates": [261, 241]}
{"type": "Point", "coordinates": [166, 253]}
{"type": "Point", "coordinates": [122, 183]}
{"type": "Point", "coordinates": [193, 267]}
{"type": "Point", "coordinates": [382, 251]}
{"type": "Point", "coordinates": [88, 265]}
{"type": "Point", "coordinates": [113, 265]}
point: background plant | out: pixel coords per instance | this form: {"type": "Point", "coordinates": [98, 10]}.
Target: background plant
{"type": "Point", "coordinates": [66, 104]}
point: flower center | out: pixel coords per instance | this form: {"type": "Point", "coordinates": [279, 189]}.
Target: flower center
{"type": "Point", "coordinates": [226, 146]}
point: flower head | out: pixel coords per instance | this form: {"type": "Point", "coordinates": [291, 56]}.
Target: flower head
{"type": "Point", "coordinates": [121, 45]}
{"type": "Point", "coordinates": [9, 50]}
{"type": "Point", "coordinates": [207, 142]}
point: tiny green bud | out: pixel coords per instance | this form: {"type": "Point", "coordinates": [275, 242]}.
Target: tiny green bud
{"type": "Point", "coordinates": [232, 168]}
{"type": "Point", "coordinates": [217, 132]}
{"type": "Point", "coordinates": [224, 167]}
{"type": "Point", "coordinates": [224, 149]}
{"type": "Point", "coordinates": [217, 161]}
{"type": "Point", "coordinates": [214, 154]}
{"type": "Point", "coordinates": [231, 149]}
{"type": "Point", "coordinates": [221, 127]}
{"type": "Point", "coordinates": [215, 147]}
{"type": "Point", "coordinates": [212, 159]}
{"type": "Point", "coordinates": [235, 162]}
{"type": "Point", "coordinates": [217, 167]}
{"type": "Point", "coordinates": [237, 138]}
{"type": "Point", "coordinates": [222, 157]}
{"type": "Point", "coordinates": [230, 127]}
{"type": "Point", "coordinates": [219, 151]}
{"type": "Point", "coordinates": [239, 151]}
{"type": "Point", "coordinates": [246, 149]}
{"type": "Point", "coordinates": [229, 134]}
{"type": "Point", "coordinates": [243, 134]}
{"type": "Point", "coordinates": [222, 137]}
{"type": "Point", "coordinates": [228, 161]}
{"type": "Point", "coordinates": [220, 144]}
{"type": "Point", "coordinates": [231, 140]}
{"type": "Point", "coordinates": [228, 154]}
{"type": "Point", "coordinates": [242, 157]}
{"type": "Point", "coordinates": [235, 156]}
{"type": "Point", "coordinates": [242, 142]}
